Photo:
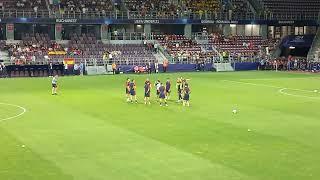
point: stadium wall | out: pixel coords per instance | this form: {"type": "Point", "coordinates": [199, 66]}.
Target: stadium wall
{"type": "Point", "coordinates": [171, 68]}
{"type": "Point", "coordinates": [107, 21]}
{"type": "Point", "coordinates": [43, 70]}
{"type": "Point", "coordinates": [243, 66]}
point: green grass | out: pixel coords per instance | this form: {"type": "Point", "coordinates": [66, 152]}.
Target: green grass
{"type": "Point", "coordinates": [89, 132]}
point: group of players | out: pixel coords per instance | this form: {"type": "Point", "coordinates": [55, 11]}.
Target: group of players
{"type": "Point", "coordinates": [163, 91]}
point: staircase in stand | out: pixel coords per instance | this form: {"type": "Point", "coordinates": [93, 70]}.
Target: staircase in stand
{"type": "Point", "coordinates": [159, 57]}
{"type": "Point", "coordinates": [315, 48]}
{"type": "Point", "coordinates": [223, 67]}
{"type": "Point", "coordinates": [4, 56]}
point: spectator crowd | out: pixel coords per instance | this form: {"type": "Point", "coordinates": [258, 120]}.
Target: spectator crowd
{"type": "Point", "coordinates": [289, 64]}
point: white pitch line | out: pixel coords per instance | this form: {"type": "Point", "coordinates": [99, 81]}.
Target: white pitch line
{"type": "Point", "coordinates": [253, 84]}
{"type": "Point", "coordinates": [295, 95]}
{"type": "Point", "coordinates": [24, 110]}
{"type": "Point", "coordinates": [313, 78]}
{"type": "Point", "coordinates": [265, 85]}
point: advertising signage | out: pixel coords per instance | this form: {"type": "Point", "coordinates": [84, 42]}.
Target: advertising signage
{"type": "Point", "coordinates": [150, 21]}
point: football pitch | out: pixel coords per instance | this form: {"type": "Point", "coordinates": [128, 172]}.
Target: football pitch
{"type": "Point", "coordinates": [90, 132]}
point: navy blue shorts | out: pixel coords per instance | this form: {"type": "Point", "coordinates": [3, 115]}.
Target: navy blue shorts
{"type": "Point", "coordinates": [147, 94]}
{"type": "Point", "coordinates": [186, 97]}
{"type": "Point", "coordinates": [54, 85]}
{"type": "Point", "coordinates": [162, 96]}
{"type": "Point", "coordinates": [132, 93]}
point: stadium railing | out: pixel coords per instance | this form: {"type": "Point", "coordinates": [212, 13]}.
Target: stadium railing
{"type": "Point", "coordinates": [100, 61]}
{"type": "Point", "coordinates": [128, 36]}
{"type": "Point", "coordinates": [152, 15]}
{"type": "Point", "coordinates": [24, 14]}
{"type": "Point", "coordinates": [291, 16]}
{"type": "Point", "coordinates": [200, 36]}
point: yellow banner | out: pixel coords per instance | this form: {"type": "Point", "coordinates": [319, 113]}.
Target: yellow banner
{"type": "Point", "coordinates": [57, 53]}
{"type": "Point", "coordinates": [69, 61]}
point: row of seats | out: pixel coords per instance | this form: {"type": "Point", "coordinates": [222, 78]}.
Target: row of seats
{"type": "Point", "coordinates": [121, 54]}
{"type": "Point", "coordinates": [39, 48]}
{"type": "Point", "coordinates": [284, 7]}
{"type": "Point", "coordinates": [32, 49]}
{"type": "Point", "coordinates": [240, 8]}
{"type": "Point", "coordinates": [23, 4]}
{"type": "Point", "coordinates": [240, 46]}
{"type": "Point", "coordinates": [165, 8]}
{"type": "Point", "coordinates": [144, 6]}
{"type": "Point", "coordinates": [237, 44]}
{"type": "Point", "coordinates": [184, 50]}
{"type": "Point", "coordinates": [85, 5]}
{"type": "Point", "coordinates": [202, 5]}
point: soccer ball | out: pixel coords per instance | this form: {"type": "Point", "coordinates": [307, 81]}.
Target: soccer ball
{"type": "Point", "coordinates": [234, 111]}
{"type": "Point", "coordinates": [315, 91]}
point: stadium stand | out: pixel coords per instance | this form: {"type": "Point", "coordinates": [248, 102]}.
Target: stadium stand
{"type": "Point", "coordinates": [33, 49]}
{"type": "Point", "coordinates": [184, 50]}
{"type": "Point", "coordinates": [239, 44]}
{"type": "Point", "coordinates": [240, 9]}
{"type": "Point", "coordinates": [39, 49]}
{"type": "Point", "coordinates": [85, 46]}
{"type": "Point", "coordinates": [149, 5]}
{"type": "Point", "coordinates": [130, 54]}
{"type": "Point", "coordinates": [202, 6]}
{"type": "Point", "coordinates": [85, 5]}
{"type": "Point", "coordinates": [23, 4]}
{"type": "Point", "coordinates": [159, 8]}
{"type": "Point", "coordinates": [289, 8]}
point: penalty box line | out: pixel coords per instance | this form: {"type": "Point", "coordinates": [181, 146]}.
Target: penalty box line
{"type": "Point", "coordinates": [265, 85]}
{"type": "Point", "coordinates": [262, 79]}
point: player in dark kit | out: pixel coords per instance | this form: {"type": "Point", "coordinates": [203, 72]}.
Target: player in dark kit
{"type": "Point", "coordinates": [179, 89]}
{"type": "Point", "coordinates": [183, 83]}
{"type": "Point", "coordinates": [162, 95]}
{"type": "Point", "coordinates": [168, 89]}
{"type": "Point", "coordinates": [147, 89]}
{"type": "Point", "coordinates": [147, 81]}
{"type": "Point", "coordinates": [132, 89]}
{"type": "Point", "coordinates": [127, 89]}
{"type": "Point", "coordinates": [186, 95]}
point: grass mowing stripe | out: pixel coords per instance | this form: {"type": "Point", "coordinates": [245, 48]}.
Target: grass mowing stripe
{"type": "Point", "coordinates": [18, 162]}
{"type": "Point", "coordinates": [114, 149]}
{"type": "Point", "coordinates": [117, 150]}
